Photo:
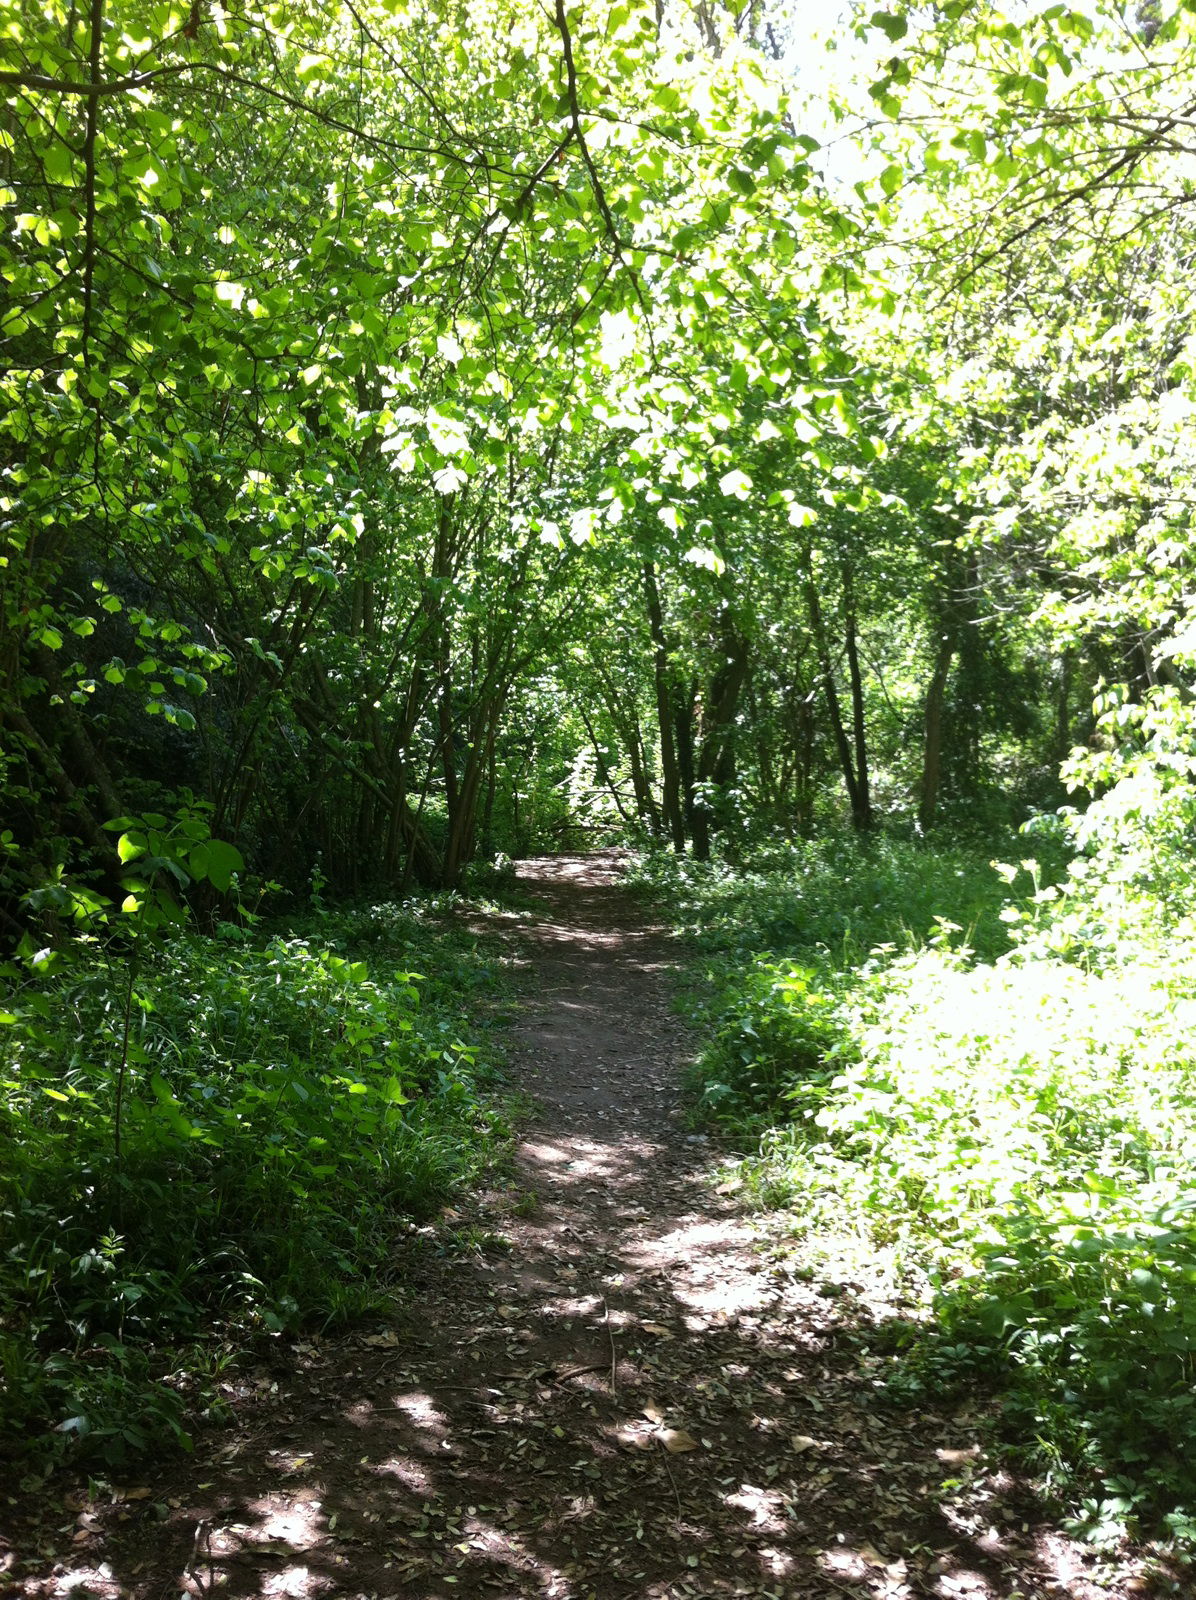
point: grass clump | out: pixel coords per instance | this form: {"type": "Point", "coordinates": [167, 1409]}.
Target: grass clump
{"type": "Point", "coordinates": [219, 1139]}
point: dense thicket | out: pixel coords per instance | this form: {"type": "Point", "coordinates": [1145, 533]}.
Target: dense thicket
{"type": "Point", "coordinates": [405, 418]}
{"type": "Point", "coordinates": [337, 344]}
{"type": "Point", "coordinates": [428, 430]}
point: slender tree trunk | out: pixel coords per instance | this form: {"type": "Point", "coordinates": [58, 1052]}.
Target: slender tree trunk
{"type": "Point", "coordinates": [1063, 706]}
{"type": "Point", "coordinates": [833, 706]}
{"type": "Point", "coordinates": [932, 737]}
{"type": "Point", "coordinates": [670, 776]}
{"type": "Point", "coordinates": [803, 776]}
{"type": "Point", "coordinates": [645, 800]}
{"type": "Point", "coordinates": [488, 803]}
{"type": "Point", "coordinates": [684, 704]}
{"type": "Point", "coordinates": [716, 758]}
{"type": "Point", "coordinates": [602, 767]}
{"type": "Point", "coordinates": [627, 724]}
{"type": "Point", "coordinates": [862, 810]}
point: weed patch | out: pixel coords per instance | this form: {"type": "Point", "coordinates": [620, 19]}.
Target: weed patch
{"type": "Point", "coordinates": [221, 1139]}
{"type": "Point", "coordinates": [1003, 1121]}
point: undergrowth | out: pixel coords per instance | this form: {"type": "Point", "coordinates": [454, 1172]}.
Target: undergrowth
{"type": "Point", "coordinates": [215, 1140]}
{"type": "Point", "coordinates": [984, 1083]}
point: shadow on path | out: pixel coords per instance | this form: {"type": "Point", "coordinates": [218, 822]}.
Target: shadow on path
{"type": "Point", "coordinates": [626, 1402]}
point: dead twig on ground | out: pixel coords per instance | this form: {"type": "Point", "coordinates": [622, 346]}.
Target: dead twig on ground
{"type": "Point", "coordinates": [614, 1354]}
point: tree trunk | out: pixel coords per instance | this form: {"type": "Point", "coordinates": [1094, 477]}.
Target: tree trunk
{"type": "Point", "coordinates": [684, 702]}
{"type": "Point", "coordinates": [602, 770]}
{"type": "Point", "coordinates": [627, 724]}
{"type": "Point", "coordinates": [932, 737]}
{"type": "Point", "coordinates": [716, 759]}
{"type": "Point", "coordinates": [670, 776]}
{"type": "Point", "coordinates": [861, 814]}
{"type": "Point", "coordinates": [833, 706]}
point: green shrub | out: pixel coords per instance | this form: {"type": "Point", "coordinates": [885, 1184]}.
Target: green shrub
{"type": "Point", "coordinates": [840, 895]}
{"type": "Point", "coordinates": [221, 1137]}
{"type": "Point", "coordinates": [1014, 1137]}
{"type": "Point", "coordinates": [780, 1027]}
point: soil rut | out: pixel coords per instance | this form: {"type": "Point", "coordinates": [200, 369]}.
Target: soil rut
{"type": "Point", "coordinates": [629, 1401]}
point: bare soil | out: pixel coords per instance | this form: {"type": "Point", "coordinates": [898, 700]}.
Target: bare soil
{"type": "Point", "coordinates": [617, 1395]}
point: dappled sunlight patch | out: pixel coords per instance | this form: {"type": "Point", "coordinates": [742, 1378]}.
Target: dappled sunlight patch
{"type": "Point", "coordinates": [763, 1508]}
{"type": "Point", "coordinates": [292, 1461]}
{"type": "Point", "coordinates": [426, 1421]}
{"type": "Point", "coordinates": [964, 1583]}
{"type": "Point", "coordinates": [704, 1259]}
{"type": "Point", "coordinates": [407, 1472]}
{"type": "Point", "coordinates": [296, 1583]}
{"type": "Point", "coordinates": [86, 1582]}
{"type": "Point", "coordinates": [1062, 1563]}
{"type": "Point", "coordinates": [577, 1306]}
{"type": "Point", "coordinates": [884, 1576]}
{"type": "Point", "coordinates": [584, 1161]}
{"type": "Point", "coordinates": [296, 1522]}
{"type": "Point", "coordinates": [776, 1562]}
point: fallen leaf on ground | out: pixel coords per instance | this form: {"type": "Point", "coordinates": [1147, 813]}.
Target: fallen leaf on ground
{"type": "Point", "coordinates": [803, 1441]}
{"type": "Point", "coordinates": [633, 1438]}
{"type": "Point", "coordinates": [676, 1441]}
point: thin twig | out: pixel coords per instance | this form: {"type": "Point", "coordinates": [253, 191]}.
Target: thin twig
{"type": "Point", "coordinates": [614, 1355]}
{"type": "Point", "coordinates": [203, 1537]}
{"type": "Point", "coordinates": [576, 1372]}
{"type": "Point", "coordinates": [89, 181]}
{"type": "Point", "coordinates": [673, 1481]}
{"type": "Point", "coordinates": [616, 239]}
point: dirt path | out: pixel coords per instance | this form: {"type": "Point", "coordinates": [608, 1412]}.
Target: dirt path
{"type": "Point", "coordinates": [626, 1402]}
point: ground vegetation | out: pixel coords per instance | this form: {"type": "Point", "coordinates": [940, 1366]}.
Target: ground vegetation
{"type": "Point", "coordinates": [430, 435]}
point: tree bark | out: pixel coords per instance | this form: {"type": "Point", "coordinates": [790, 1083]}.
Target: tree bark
{"type": "Point", "coordinates": [932, 736]}
{"type": "Point", "coordinates": [861, 815]}
{"type": "Point", "coordinates": [716, 758]}
{"type": "Point", "coordinates": [833, 705]}
{"type": "Point", "coordinates": [670, 776]}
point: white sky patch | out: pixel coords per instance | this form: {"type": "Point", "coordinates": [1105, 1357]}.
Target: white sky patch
{"type": "Point", "coordinates": [616, 338]}
{"type": "Point", "coordinates": [824, 52]}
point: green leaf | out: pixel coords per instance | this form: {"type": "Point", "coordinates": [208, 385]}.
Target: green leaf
{"type": "Point", "coordinates": [222, 861]}
{"type": "Point", "coordinates": [890, 24]}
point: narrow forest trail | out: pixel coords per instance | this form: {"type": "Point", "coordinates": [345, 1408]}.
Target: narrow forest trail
{"type": "Point", "coordinates": [627, 1402]}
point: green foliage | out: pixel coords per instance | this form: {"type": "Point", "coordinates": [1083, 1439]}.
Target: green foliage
{"type": "Point", "coordinates": [1009, 1137]}
{"type": "Point", "coordinates": [1085, 1302]}
{"type": "Point", "coordinates": [836, 895]}
{"type": "Point", "coordinates": [218, 1138]}
{"type": "Point", "coordinates": [779, 1025]}
{"type": "Point", "coordinates": [428, 431]}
